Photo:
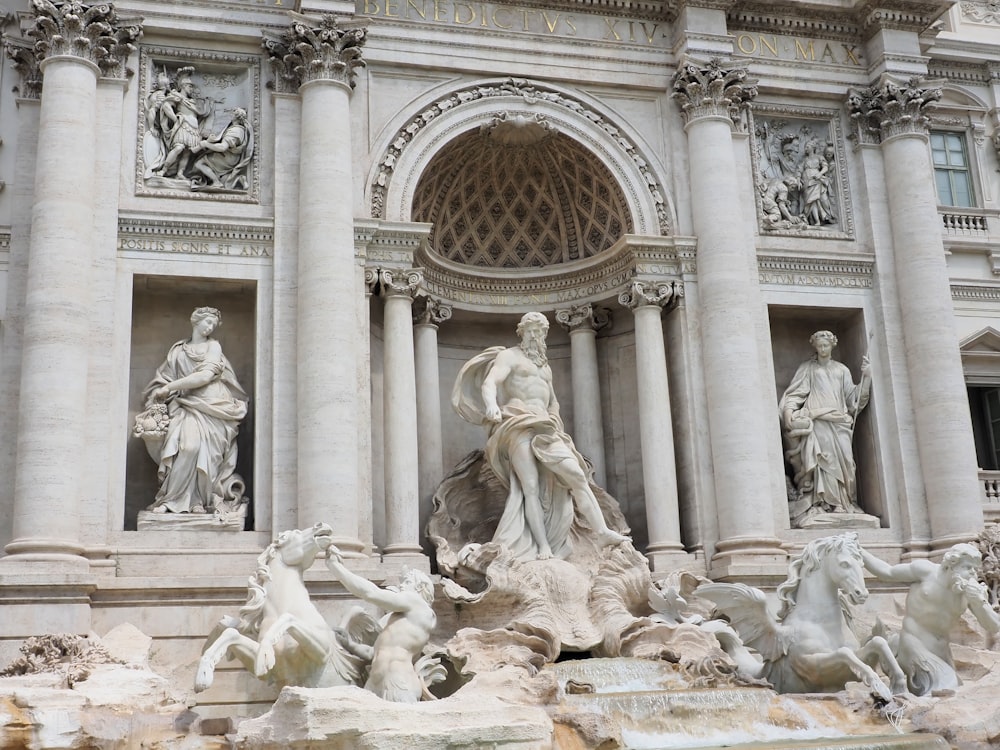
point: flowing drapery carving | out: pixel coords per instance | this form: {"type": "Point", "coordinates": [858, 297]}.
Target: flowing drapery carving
{"type": "Point", "coordinates": [311, 50]}
{"type": "Point", "coordinates": [714, 89]}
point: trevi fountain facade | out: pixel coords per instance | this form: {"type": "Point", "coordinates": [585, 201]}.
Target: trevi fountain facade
{"type": "Point", "coordinates": [638, 360]}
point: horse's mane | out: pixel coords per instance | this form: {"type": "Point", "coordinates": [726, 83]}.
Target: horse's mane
{"type": "Point", "coordinates": [252, 612]}
{"type": "Point", "coordinates": [809, 561]}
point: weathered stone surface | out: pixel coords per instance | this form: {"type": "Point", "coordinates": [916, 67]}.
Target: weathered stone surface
{"type": "Point", "coordinates": [349, 718]}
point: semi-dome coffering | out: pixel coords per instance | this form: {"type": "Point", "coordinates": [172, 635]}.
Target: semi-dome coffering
{"type": "Point", "coordinates": [517, 195]}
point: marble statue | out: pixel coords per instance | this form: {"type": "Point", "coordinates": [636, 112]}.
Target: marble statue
{"type": "Point", "coordinates": [510, 391]}
{"type": "Point", "coordinates": [280, 636]}
{"type": "Point", "coordinates": [815, 181]}
{"type": "Point", "coordinates": [194, 406]}
{"type": "Point", "coordinates": [223, 160]}
{"type": "Point", "coordinates": [808, 647]}
{"type": "Point", "coordinates": [938, 597]}
{"type": "Point", "coordinates": [398, 671]}
{"type": "Point", "coordinates": [818, 413]}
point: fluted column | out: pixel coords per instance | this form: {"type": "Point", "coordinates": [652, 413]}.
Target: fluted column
{"type": "Point", "coordinates": [319, 61]}
{"type": "Point", "coordinates": [75, 44]}
{"type": "Point", "coordinates": [894, 114]}
{"type": "Point", "coordinates": [428, 314]}
{"type": "Point", "coordinates": [710, 97]}
{"type": "Point", "coordinates": [402, 507]}
{"type": "Point", "coordinates": [583, 322]}
{"type": "Point", "coordinates": [659, 472]}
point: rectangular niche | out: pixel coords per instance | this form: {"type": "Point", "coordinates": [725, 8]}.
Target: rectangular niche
{"type": "Point", "coordinates": [188, 97]}
{"type": "Point", "coordinates": [161, 316]}
{"type": "Point", "coordinates": [791, 328]}
{"type": "Point", "coordinates": [799, 173]}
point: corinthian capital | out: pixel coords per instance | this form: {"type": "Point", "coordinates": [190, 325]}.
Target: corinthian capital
{"type": "Point", "coordinates": [714, 89]}
{"type": "Point", "coordinates": [583, 316]}
{"type": "Point", "coordinates": [22, 53]}
{"type": "Point", "coordinates": [650, 293]}
{"type": "Point", "coordinates": [91, 32]}
{"type": "Point", "coordinates": [889, 108]}
{"type": "Point", "coordinates": [315, 50]}
{"type": "Point", "coordinates": [400, 282]}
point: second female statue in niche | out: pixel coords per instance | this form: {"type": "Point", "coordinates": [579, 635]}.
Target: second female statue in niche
{"type": "Point", "coordinates": [194, 406]}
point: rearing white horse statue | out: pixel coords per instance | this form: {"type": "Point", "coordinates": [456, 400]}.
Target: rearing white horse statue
{"type": "Point", "coordinates": [808, 647]}
{"type": "Point", "coordinates": [280, 636]}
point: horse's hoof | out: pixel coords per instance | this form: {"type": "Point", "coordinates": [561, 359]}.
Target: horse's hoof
{"type": "Point", "coordinates": [203, 680]}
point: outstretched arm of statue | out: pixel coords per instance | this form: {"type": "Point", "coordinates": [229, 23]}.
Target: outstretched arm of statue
{"type": "Point", "coordinates": [903, 573]}
{"type": "Point", "coordinates": [362, 587]}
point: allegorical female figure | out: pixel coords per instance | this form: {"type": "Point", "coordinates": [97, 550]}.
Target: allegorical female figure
{"type": "Point", "coordinates": [818, 411]}
{"type": "Point", "coordinates": [194, 406]}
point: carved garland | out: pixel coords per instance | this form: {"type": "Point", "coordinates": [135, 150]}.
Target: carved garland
{"type": "Point", "coordinates": [982, 12]}
{"type": "Point", "coordinates": [530, 92]}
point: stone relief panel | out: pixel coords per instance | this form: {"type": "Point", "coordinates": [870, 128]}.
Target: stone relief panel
{"type": "Point", "coordinates": [799, 174]}
{"type": "Point", "coordinates": [979, 11]}
{"type": "Point", "coordinates": [198, 123]}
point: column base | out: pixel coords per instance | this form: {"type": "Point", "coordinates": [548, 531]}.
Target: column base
{"type": "Point", "coordinates": [748, 557]}
{"type": "Point", "coordinates": [396, 558]}
{"type": "Point", "coordinates": [44, 556]}
{"type": "Point", "coordinates": [668, 557]}
{"type": "Point", "coordinates": [40, 601]}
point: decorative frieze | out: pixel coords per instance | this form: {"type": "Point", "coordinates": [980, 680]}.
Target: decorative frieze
{"type": "Point", "coordinates": [195, 238]}
{"type": "Point", "coordinates": [586, 315]}
{"type": "Point", "coordinates": [311, 50]}
{"type": "Point", "coordinates": [975, 293]}
{"type": "Point", "coordinates": [978, 11]}
{"type": "Point", "coordinates": [92, 32]}
{"type": "Point", "coordinates": [717, 88]}
{"type": "Point", "coordinates": [198, 125]}
{"type": "Point", "coordinates": [889, 109]}
{"type": "Point", "coordinates": [801, 271]}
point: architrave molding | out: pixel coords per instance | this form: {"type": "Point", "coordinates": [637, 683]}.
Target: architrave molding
{"type": "Point", "coordinates": [851, 272]}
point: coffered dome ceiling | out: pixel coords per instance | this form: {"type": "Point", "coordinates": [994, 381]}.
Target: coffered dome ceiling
{"type": "Point", "coordinates": [517, 194]}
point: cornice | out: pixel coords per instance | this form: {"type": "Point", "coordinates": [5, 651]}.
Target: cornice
{"type": "Point", "coordinates": [962, 72]}
{"type": "Point", "coordinates": [777, 19]}
{"type": "Point", "coordinates": [167, 226]}
{"type": "Point", "coordinates": [593, 279]}
{"type": "Point", "coordinates": [971, 292]}
{"type": "Point", "coordinates": [847, 272]}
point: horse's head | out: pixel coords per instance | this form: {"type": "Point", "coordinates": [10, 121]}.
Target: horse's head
{"type": "Point", "coordinates": [298, 548]}
{"type": "Point", "coordinates": [842, 563]}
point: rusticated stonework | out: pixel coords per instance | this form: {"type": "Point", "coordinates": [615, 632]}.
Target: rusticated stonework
{"type": "Point", "coordinates": [315, 50]}
{"type": "Point", "coordinates": [888, 109]}
{"type": "Point", "coordinates": [714, 89]}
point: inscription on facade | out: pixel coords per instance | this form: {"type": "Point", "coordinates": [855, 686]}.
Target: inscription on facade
{"type": "Point", "coordinates": [526, 298]}
{"type": "Point", "coordinates": [808, 279]}
{"type": "Point", "coordinates": [194, 247]}
{"type": "Point", "coordinates": [495, 17]}
{"type": "Point", "coordinates": [801, 49]}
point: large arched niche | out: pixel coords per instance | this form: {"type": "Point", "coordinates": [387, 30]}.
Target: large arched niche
{"type": "Point", "coordinates": [461, 111]}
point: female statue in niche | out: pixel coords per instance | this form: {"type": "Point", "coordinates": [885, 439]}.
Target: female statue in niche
{"type": "Point", "coordinates": [194, 406]}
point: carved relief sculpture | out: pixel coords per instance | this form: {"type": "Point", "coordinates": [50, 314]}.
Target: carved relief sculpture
{"type": "Point", "coordinates": [190, 143]}
{"type": "Point", "coordinates": [818, 413]}
{"type": "Point", "coordinates": [798, 180]}
{"type": "Point", "coordinates": [194, 406]}
{"type": "Point", "coordinates": [510, 391]}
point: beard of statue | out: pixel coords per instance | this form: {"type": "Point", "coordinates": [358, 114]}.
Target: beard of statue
{"type": "Point", "coordinates": [534, 347]}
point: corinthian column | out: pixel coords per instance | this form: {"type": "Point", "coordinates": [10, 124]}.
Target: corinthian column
{"type": "Point", "coordinates": [583, 322]}
{"type": "Point", "coordinates": [894, 114]}
{"type": "Point", "coordinates": [428, 313]}
{"type": "Point", "coordinates": [402, 505]}
{"type": "Point", "coordinates": [319, 62]}
{"type": "Point", "coordinates": [74, 44]}
{"type": "Point", "coordinates": [710, 97]}
{"type": "Point", "coordinates": [659, 473]}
